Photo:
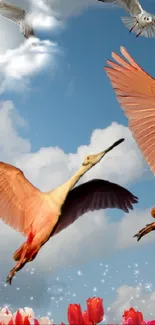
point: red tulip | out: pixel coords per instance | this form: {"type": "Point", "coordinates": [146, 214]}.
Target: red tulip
{"type": "Point", "coordinates": [95, 310]}
{"type": "Point", "coordinates": [20, 320]}
{"type": "Point", "coordinates": [132, 317]}
{"type": "Point", "coordinates": [150, 322]}
{"type": "Point", "coordinates": [86, 318]}
{"type": "Point", "coordinates": [62, 323]}
{"type": "Point", "coordinates": [26, 321]}
{"type": "Point", "coordinates": [75, 315]}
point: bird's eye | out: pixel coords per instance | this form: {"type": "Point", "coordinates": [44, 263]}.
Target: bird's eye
{"type": "Point", "coordinates": [144, 18]}
{"type": "Point", "coordinates": [88, 158]}
{"type": "Point", "coordinates": [148, 18]}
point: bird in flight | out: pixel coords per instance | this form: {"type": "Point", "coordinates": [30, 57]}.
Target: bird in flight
{"type": "Point", "coordinates": [141, 22]}
{"type": "Point", "coordinates": [18, 16]}
{"type": "Point", "coordinates": [41, 215]}
{"type": "Point", "coordinates": [135, 91]}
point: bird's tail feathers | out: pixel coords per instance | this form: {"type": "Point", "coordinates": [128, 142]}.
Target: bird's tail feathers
{"type": "Point", "coordinates": [129, 22]}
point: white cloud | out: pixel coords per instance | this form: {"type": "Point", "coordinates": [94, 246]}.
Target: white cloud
{"type": "Point", "coordinates": [136, 297]}
{"type": "Point", "coordinates": [11, 144]}
{"type": "Point", "coordinates": [16, 54]}
{"type": "Point", "coordinates": [19, 59]}
{"type": "Point", "coordinates": [43, 21]}
{"type": "Point", "coordinates": [12, 37]}
{"type": "Point", "coordinates": [18, 65]}
{"type": "Point", "coordinates": [50, 166]}
{"type": "Point", "coordinates": [42, 15]}
{"type": "Point", "coordinates": [56, 162]}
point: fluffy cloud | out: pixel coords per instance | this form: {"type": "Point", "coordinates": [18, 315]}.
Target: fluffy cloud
{"type": "Point", "coordinates": [18, 65]}
{"type": "Point", "coordinates": [11, 144]}
{"type": "Point", "coordinates": [19, 58]}
{"type": "Point", "coordinates": [136, 297]}
{"type": "Point", "coordinates": [12, 37]}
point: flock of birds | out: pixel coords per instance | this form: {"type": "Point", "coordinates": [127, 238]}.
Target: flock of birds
{"type": "Point", "coordinates": [41, 215]}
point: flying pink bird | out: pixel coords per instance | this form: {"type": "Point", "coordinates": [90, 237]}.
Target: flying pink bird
{"type": "Point", "coordinates": [135, 91]}
{"type": "Point", "coordinates": [40, 215]}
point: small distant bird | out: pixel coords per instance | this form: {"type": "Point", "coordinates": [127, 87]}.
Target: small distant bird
{"type": "Point", "coordinates": [41, 215]}
{"type": "Point", "coordinates": [18, 16]}
{"type": "Point", "coordinates": [141, 22]}
{"type": "Point", "coordinates": [135, 91]}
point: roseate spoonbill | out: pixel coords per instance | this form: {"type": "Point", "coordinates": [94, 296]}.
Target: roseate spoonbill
{"type": "Point", "coordinates": [141, 22]}
{"type": "Point", "coordinates": [135, 91]}
{"type": "Point", "coordinates": [40, 215]}
{"type": "Point", "coordinates": [18, 16]}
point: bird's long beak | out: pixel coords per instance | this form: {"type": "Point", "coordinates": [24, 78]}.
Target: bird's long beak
{"type": "Point", "coordinates": [103, 153]}
{"type": "Point", "coordinates": [114, 145]}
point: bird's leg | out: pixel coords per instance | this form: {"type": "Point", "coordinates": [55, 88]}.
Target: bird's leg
{"type": "Point", "coordinates": [131, 29]}
{"type": "Point", "coordinates": [18, 265]}
{"type": "Point", "coordinates": [149, 227]}
{"type": "Point", "coordinates": [137, 35]}
{"type": "Point", "coordinates": [34, 253]}
{"type": "Point", "coordinates": [25, 260]}
{"type": "Point", "coordinates": [22, 261]}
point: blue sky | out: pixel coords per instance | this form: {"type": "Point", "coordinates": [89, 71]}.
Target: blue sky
{"type": "Point", "coordinates": [62, 108]}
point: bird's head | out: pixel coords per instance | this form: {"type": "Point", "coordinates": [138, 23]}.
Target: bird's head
{"type": "Point", "coordinates": [147, 19]}
{"type": "Point", "coordinates": [92, 160]}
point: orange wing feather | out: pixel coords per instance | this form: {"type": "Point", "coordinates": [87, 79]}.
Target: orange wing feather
{"type": "Point", "coordinates": [19, 199]}
{"type": "Point", "coordinates": [135, 91]}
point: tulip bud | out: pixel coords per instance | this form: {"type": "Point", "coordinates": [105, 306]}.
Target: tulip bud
{"type": "Point", "coordinates": [132, 317]}
{"type": "Point", "coordinates": [75, 315]}
{"type": "Point", "coordinates": [95, 310]}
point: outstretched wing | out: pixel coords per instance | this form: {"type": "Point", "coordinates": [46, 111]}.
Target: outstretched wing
{"type": "Point", "coordinates": [96, 194]}
{"type": "Point", "coordinates": [19, 199]}
{"type": "Point", "coordinates": [135, 91]}
{"type": "Point", "coordinates": [133, 7]}
{"type": "Point", "coordinates": [12, 12]}
{"type": "Point", "coordinates": [149, 31]}
{"type": "Point", "coordinates": [18, 16]}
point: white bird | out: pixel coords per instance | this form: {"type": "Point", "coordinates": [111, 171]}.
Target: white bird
{"type": "Point", "coordinates": [18, 16]}
{"type": "Point", "coordinates": [141, 22]}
